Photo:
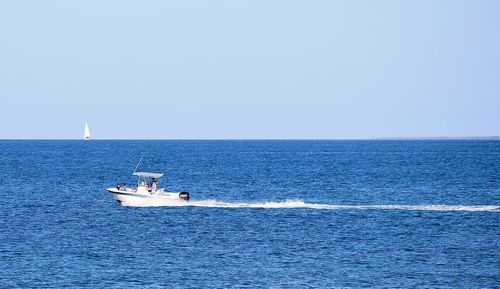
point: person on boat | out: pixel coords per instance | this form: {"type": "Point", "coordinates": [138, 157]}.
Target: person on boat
{"type": "Point", "coordinates": [118, 187]}
{"type": "Point", "coordinates": [153, 187]}
{"type": "Point", "coordinates": [124, 186]}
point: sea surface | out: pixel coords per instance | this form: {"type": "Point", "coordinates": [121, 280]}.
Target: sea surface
{"type": "Point", "coordinates": [262, 214]}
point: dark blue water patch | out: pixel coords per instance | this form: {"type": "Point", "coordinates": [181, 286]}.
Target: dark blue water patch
{"type": "Point", "coordinates": [61, 228]}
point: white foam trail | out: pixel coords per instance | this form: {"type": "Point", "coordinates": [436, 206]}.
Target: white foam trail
{"type": "Point", "coordinates": [299, 204]}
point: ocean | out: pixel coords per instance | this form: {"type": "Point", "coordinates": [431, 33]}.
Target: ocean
{"type": "Point", "coordinates": [262, 214]}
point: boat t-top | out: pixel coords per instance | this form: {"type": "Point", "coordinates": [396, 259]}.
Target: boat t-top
{"type": "Point", "coordinates": [146, 192]}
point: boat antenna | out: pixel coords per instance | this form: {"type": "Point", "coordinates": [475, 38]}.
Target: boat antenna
{"type": "Point", "coordinates": [138, 163]}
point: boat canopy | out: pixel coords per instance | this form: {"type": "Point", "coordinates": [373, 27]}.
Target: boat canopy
{"type": "Point", "coordinates": [148, 175]}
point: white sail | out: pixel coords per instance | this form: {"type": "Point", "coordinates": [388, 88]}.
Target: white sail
{"type": "Point", "coordinates": [86, 132]}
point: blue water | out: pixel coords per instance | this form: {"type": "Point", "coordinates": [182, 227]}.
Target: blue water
{"type": "Point", "coordinates": [60, 228]}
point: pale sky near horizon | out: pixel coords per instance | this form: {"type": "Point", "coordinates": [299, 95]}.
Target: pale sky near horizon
{"type": "Point", "coordinates": [249, 69]}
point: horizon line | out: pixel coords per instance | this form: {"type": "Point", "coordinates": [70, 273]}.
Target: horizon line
{"type": "Point", "coordinates": [259, 139]}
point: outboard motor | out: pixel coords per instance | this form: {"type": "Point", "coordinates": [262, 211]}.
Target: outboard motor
{"type": "Point", "coordinates": [184, 196]}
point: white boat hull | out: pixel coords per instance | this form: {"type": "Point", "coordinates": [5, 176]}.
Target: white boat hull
{"type": "Point", "coordinates": [132, 198]}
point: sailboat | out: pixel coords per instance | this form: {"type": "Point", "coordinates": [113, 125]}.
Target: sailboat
{"type": "Point", "coordinates": [86, 132]}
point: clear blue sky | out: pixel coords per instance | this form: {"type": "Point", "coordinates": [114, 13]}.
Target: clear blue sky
{"type": "Point", "coordinates": [249, 69]}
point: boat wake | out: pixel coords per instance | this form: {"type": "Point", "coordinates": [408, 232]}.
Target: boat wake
{"type": "Point", "coordinates": [299, 204]}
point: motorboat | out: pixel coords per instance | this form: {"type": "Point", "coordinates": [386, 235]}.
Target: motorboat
{"type": "Point", "coordinates": [146, 193]}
